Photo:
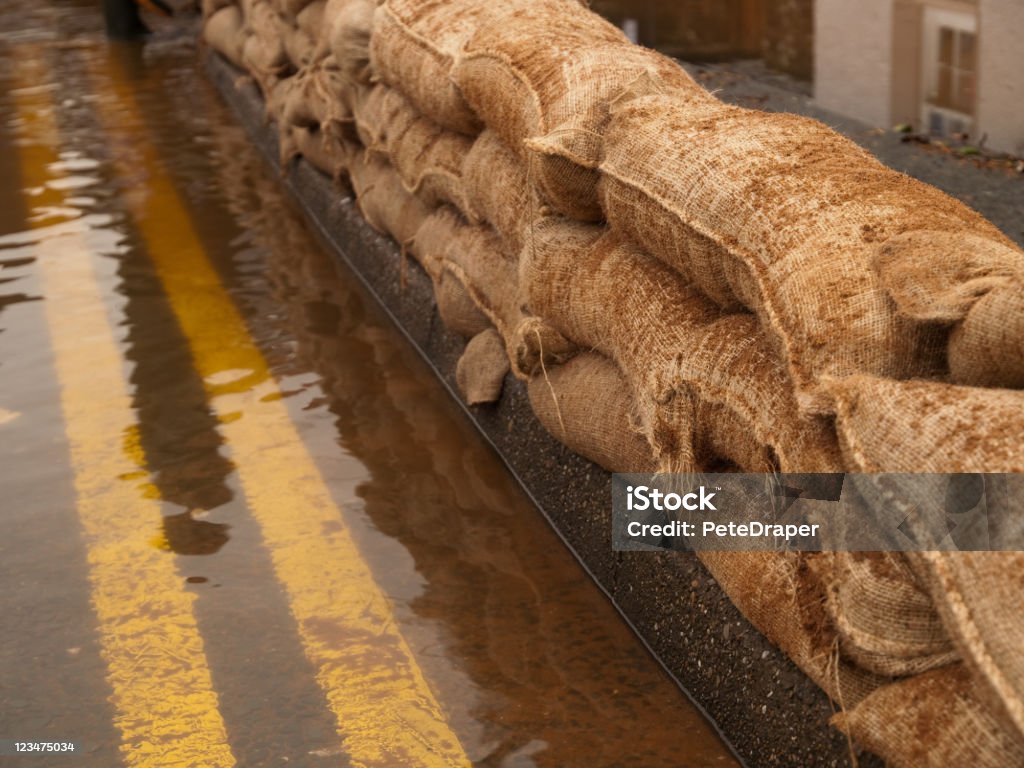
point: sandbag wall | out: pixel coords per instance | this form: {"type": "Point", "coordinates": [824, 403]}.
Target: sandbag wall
{"type": "Point", "coordinates": [687, 285]}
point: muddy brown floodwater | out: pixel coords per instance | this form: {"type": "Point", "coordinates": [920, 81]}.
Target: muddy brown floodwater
{"type": "Point", "coordinates": [146, 249]}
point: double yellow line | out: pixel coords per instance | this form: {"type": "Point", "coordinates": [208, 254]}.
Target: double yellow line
{"type": "Point", "coordinates": [162, 691]}
{"type": "Point", "coordinates": [163, 696]}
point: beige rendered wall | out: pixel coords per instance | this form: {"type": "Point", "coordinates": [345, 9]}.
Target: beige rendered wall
{"type": "Point", "coordinates": [853, 58]}
{"type": "Point", "coordinates": [1001, 66]}
{"type": "Point", "coordinates": [906, 63]}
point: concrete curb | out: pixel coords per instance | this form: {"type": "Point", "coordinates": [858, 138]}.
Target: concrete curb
{"type": "Point", "coordinates": [768, 711]}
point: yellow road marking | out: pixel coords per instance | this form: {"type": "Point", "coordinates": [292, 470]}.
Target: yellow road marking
{"type": "Point", "coordinates": [166, 708]}
{"type": "Point", "coordinates": [386, 712]}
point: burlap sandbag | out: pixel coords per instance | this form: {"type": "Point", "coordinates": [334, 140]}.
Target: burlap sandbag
{"type": "Point", "coordinates": [350, 40]}
{"type": "Point", "coordinates": [932, 720]}
{"type": "Point", "coordinates": [927, 426]}
{"type": "Point", "coordinates": [222, 31]}
{"type": "Point", "coordinates": [261, 17]}
{"type": "Point", "coordinates": [935, 276]}
{"type": "Point", "coordinates": [247, 6]}
{"type": "Point", "coordinates": [323, 152]}
{"type": "Point", "coordinates": [987, 347]}
{"type": "Point", "coordinates": [289, 9]}
{"type": "Point", "coordinates": [884, 619]}
{"type": "Point", "coordinates": [497, 190]}
{"type": "Point", "coordinates": [299, 45]}
{"type": "Point", "coordinates": [780, 594]}
{"type": "Point", "coordinates": [536, 345]}
{"type": "Point", "coordinates": [978, 595]}
{"type": "Point", "coordinates": [586, 403]}
{"type": "Point", "coordinates": [331, 11]}
{"type": "Point", "coordinates": [974, 283]}
{"type": "Point", "coordinates": [681, 355]}
{"type": "Point", "coordinates": [262, 21]}
{"type": "Point", "coordinates": [263, 52]}
{"type": "Point", "coordinates": [458, 311]}
{"type": "Point", "coordinates": [383, 200]}
{"type": "Point", "coordinates": [428, 158]}
{"type": "Point", "coordinates": [924, 426]}
{"type": "Point", "coordinates": [476, 257]}
{"type": "Point", "coordinates": [314, 99]}
{"type": "Point", "coordinates": [547, 74]}
{"type": "Point", "coordinates": [276, 98]}
{"type": "Point", "coordinates": [320, 20]}
{"type": "Point", "coordinates": [780, 214]}
{"type": "Point", "coordinates": [480, 372]}
{"type": "Point", "coordinates": [261, 62]}
{"type": "Point", "coordinates": [430, 161]}
{"type": "Point", "coordinates": [432, 240]}
{"type": "Point", "coordinates": [381, 113]}
{"type": "Point", "coordinates": [310, 19]}
{"type": "Point", "coordinates": [413, 46]}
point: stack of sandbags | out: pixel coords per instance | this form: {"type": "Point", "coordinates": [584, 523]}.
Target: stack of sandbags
{"type": "Point", "coordinates": [849, 266]}
{"type": "Point", "coordinates": [706, 383]}
{"type": "Point", "coordinates": [308, 58]}
{"type": "Point", "coordinates": [434, 116]}
{"type": "Point", "coordinates": [427, 157]}
{"type": "Point", "coordinates": [263, 52]}
{"type": "Point", "coordinates": [687, 285]}
{"type": "Point", "coordinates": [413, 48]}
{"type": "Point", "coordinates": [859, 279]}
{"type": "Point", "coordinates": [551, 69]}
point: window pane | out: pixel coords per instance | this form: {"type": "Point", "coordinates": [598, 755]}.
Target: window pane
{"type": "Point", "coordinates": [965, 93]}
{"type": "Point", "coordinates": [945, 95]}
{"type": "Point", "coordinates": [968, 51]}
{"type": "Point", "coordinates": [946, 45]}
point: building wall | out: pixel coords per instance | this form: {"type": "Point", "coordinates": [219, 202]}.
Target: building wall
{"type": "Point", "coordinates": [1001, 66]}
{"type": "Point", "coordinates": [906, 63]}
{"type": "Point", "coordinates": [853, 59]}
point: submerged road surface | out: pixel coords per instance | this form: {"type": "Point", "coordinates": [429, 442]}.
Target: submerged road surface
{"type": "Point", "coordinates": [242, 522]}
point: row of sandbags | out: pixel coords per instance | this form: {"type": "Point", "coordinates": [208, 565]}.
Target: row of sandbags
{"type": "Point", "coordinates": [685, 284]}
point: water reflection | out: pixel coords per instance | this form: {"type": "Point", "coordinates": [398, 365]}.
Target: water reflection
{"type": "Point", "coordinates": [9, 299]}
{"type": "Point", "coordinates": [553, 676]}
{"type": "Point", "coordinates": [526, 656]}
{"type": "Point", "coordinates": [13, 263]}
{"type": "Point", "coordinates": [177, 431]}
{"type": "Point", "coordinates": [185, 535]}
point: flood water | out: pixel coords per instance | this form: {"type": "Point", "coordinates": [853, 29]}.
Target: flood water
{"type": "Point", "coordinates": [242, 522]}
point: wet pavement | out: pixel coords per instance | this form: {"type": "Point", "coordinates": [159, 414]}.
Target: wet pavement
{"type": "Point", "coordinates": [243, 524]}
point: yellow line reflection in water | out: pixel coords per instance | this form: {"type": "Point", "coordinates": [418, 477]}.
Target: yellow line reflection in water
{"type": "Point", "coordinates": [386, 712]}
{"type": "Point", "coordinates": [162, 692]}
